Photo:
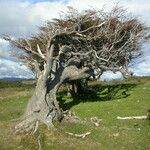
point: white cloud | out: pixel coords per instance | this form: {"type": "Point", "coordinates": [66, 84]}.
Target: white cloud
{"type": "Point", "coordinates": [140, 8]}
{"type": "Point", "coordinates": [22, 18]}
{"type": "Point", "coordinates": [108, 75]}
{"type": "Point", "coordinates": [9, 65]}
{"type": "Point", "coordinates": [141, 66]}
{"type": "Point", "coordinates": [13, 69]}
{"type": "Point", "coordinates": [6, 51]}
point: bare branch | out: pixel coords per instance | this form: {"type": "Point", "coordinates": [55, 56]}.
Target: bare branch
{"type": "Point", "coordinates": [39, 51]}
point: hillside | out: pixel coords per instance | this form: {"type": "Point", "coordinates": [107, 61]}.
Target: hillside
{"type": "Point", "coordinates": [115, 98]}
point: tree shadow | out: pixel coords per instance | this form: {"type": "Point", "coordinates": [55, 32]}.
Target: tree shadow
{"type": "Point", "coordinates": [103, 93]}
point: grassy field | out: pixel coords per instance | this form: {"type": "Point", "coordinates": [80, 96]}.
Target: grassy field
{"type": "Point", "coordinates": [116, 98]}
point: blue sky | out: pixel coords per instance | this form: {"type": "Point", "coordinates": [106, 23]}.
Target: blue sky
{"type": "Point", "coordinates": [20, 18]}
{"type": "Point", "coordinates": [36, 1]}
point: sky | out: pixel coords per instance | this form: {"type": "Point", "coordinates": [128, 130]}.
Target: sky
{"type": "Point", "coordinates": [21, 18]}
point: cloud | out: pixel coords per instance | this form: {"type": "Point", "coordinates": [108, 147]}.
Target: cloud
{"type": "Point", "coordinates": [141, 65]}
{"type": "Point", "coordinates": [20, 18]}
{"type": "Point", "coordinates": [108, 75]}
{"type": "Point", "coordinates": [13, 69]}
{"type": "Point", "coordinates": [6, 51]}
{"type": "Point", "coordinates": [140, 8]}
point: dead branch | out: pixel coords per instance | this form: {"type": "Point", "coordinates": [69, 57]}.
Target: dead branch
{"type": "Point", "coordinates": [79, 135]}
{"type": "Point", "coordinates": [132, 117]}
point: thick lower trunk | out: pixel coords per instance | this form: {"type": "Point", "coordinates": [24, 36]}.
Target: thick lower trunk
{"type": "Point", "coordinates": [42, 107]}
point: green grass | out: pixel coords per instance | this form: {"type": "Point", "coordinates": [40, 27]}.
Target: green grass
{"type": "Point", "coordinates": [116, 98]}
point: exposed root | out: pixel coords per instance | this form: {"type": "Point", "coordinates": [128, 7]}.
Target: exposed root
{"type": "Point", "coordinates": [39, 142]}
{"type": "Point", "coordinates": [96, 121]}
{"type": "Point", "coordinates": [28, 125]}
{"type": "Point", "coordinates": [36, 127]}
{"type": "Point", "coordinates": [71, 117]}
{"type": "Point", "coordinates": [79, 135]}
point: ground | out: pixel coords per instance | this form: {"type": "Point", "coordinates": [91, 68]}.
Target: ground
{"type": "Point", "coordinates": [116, 98]}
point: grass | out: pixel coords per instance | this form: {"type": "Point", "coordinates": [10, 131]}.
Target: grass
{"type": "Point", "coordinates": [116, 98]}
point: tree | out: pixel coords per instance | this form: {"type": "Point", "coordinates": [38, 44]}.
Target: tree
{"type": "Point", "coordinates": [78, 45]}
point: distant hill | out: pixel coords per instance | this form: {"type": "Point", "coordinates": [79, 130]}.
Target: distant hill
{"type": "Point", "coordinates": [13, 79]}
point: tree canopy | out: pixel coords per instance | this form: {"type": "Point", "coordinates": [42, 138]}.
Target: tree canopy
{"type": "Point", "coordinates": [97, 39]}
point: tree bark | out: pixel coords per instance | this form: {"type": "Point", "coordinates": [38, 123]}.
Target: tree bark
{"type": "Point", "coordinates": [43, 105]}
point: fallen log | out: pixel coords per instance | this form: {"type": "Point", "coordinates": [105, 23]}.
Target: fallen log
{"type": "Point", "coordinates": [132, 117]}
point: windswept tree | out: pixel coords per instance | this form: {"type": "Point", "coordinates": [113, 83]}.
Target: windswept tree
{"type": "Point", "coordinates": [77, 46]}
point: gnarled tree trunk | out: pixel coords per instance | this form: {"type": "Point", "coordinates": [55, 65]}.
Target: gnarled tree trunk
{"type": "Point", "coordinates": [43, 105]}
